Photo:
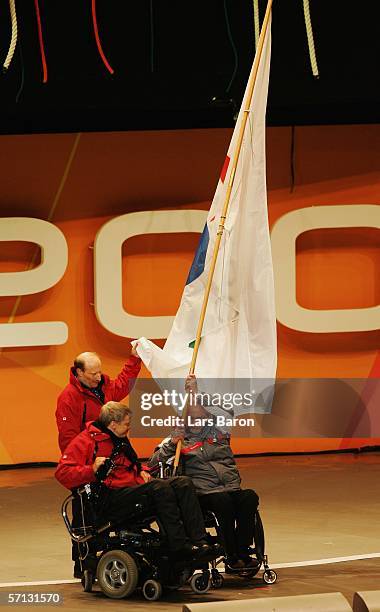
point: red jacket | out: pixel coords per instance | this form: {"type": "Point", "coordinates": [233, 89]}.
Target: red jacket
{"type": "Point", "coordinates": [75, 466]}
{"type": "Point", "coordinates": [76, 405]}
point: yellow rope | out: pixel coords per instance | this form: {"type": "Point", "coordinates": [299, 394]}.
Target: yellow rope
{"type": "Point", "coordinates": [256, 20]}
{"type": "Point", "coordinates": [310, 38]}
{"type": "Point", "coordinates": [12, 46]}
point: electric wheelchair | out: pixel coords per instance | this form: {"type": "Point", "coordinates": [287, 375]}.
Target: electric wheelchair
{"type": "Point", "coordinates": [121, 558]}
{"type": "Point", "coordinates": [135, 555]}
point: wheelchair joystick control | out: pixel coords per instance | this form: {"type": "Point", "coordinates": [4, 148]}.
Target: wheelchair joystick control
{"type": "Point", "coordinates": [105, 469]}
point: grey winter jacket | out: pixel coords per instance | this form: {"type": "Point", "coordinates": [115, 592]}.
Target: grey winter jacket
{"type": "Point", "coordinates": [210, 464]}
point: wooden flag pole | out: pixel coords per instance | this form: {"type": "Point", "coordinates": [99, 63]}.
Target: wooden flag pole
{"type": "Point", "coordinates": [230, 185]}
{"type": "Point", "coordinates": [223, 216]}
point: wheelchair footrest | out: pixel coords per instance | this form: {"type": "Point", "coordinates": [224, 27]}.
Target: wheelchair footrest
{"type": "Point", "coordinates": [140, 541]}
{"type": "Point", "coordinates": [83, 531]}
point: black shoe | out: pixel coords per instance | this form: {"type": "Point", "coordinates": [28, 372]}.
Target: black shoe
{"type": "Point", "coordinates": [203, 552]}
{"type": "Point", "coordinates": [210, 543]}
{"type": "Point", "coordinates": [200, 542]}
{"type": "Point", "coordinates": [250, 563]}
{"type": "Point", "coordinates": [207, 552]}
{"type": "Point", "coordinates": [233, 564]}
{"type": "Point", "coordinates": [201, 546]}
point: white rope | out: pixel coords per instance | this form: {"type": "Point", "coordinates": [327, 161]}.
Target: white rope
{"type": "Point", "coordinates": [310, 38]}
{"type": "Point", "coordinates": [256, 20]}
{"type": "Point", "coordinates": [12, 46]}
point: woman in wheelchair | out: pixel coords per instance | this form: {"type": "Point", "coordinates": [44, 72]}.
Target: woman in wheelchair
{"type": "Point", "coordinates": [103, 452]}
{"type": "Point", "coordinates": [207, 458]}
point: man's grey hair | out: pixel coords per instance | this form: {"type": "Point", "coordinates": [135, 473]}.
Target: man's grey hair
{"type": "Point", "coordinates": [113, 411]}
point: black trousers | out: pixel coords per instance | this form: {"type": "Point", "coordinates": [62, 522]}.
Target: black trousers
{"type": "Point", "coordinates": [173, 500]}
{"type": "Point", "coordinates": [235, 512]}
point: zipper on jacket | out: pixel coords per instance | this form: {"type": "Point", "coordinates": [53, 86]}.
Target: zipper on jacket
{"type": "Point", "coordinates": [84, 416]}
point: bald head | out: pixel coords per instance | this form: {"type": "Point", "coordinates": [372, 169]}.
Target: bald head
{"type": "Point", "coordinates": [88, 369]}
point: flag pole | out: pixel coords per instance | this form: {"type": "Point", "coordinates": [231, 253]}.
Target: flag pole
{"type": "Point", "coordinates": [230, 185]}
{"type": "Point", "coordinates": [223, 216]}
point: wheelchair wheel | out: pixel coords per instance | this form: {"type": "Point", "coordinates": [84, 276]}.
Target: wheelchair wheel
{"type": "Point", "coordinates": [152, 590]}
{"type": "Point", "coordinates": [117, 574]}
{"type": "Point", "coordinates": [217, 579]}
{"type": "Point", "coordinates": [269, 576]}
{"type": "Point", "coordinates": [200, 583]}
{"type": "Point", "coordinates": [87, 580]}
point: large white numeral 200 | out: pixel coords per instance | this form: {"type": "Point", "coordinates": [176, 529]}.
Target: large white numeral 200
{"type": "Point", "coordinates": [108, 271]}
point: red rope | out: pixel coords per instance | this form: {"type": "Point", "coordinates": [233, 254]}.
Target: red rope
{"type": "Point", "coordinates": [98, 43]}
{"type": "Point", "coordinates": [41, 40]}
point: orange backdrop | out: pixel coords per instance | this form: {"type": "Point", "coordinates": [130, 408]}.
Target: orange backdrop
{"type": "Point", "coordinates": [79, 181]}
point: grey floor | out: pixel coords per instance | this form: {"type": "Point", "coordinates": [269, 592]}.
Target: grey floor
{"type": "Point", "coordinates": [314, 507]}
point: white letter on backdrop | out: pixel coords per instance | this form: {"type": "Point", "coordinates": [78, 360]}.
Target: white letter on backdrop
{"type": "Point", "coordinates": [108, 267]}
{"type": "Point", "coordinates": [51, 269]}
{"type": "Point", "coordinates": [284, 235]}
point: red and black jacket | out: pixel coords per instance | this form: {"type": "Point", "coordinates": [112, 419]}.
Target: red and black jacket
{"type": "Point", "coordinates": [76, 404]}
{"type": "Point", "coordinates": [75, 466]}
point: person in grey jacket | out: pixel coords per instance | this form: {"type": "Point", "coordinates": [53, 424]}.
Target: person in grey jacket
{"type": "Point", "coordinates": [207, 458]}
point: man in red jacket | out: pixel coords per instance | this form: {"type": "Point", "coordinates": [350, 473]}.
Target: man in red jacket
{"type": "Point", "coordinates": [88, 389]}
{"type": "Point", "coordinates": [87, 459]}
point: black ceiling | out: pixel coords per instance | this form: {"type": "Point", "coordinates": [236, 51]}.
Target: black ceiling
{"type": "Point", "coordinates": [181, 64]}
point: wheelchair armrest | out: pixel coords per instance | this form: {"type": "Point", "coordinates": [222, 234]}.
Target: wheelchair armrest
{"type": "Point", "coordinates": [89, 527]}
{"type": "Point", "coordinates": [86, 532]}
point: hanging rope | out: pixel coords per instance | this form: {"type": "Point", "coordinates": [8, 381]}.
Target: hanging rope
{"type": "Point", "coordinates": [13, 43]}
{"type": "Point", "coordinates": [310, 38]}
{"type": "Point", "coordinates": [22, 82]}
{"type": "Point", "coordinates": [151, 36]}
{"type": "Point", "coordinates": [97, 39]}
{"type": "Point", "coordinates": [232, 45]}
{"type": "Point", "coordinates": [256, 21]}
{"type": "Point", "coordinates": [41, 41]}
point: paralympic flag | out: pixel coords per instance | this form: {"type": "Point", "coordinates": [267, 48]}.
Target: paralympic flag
{"type": "Point", "coordinates": [239, 333]}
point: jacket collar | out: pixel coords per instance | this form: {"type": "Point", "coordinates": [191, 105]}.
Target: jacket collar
{"type": "Point", "coordinates": [74, 381]}
{"type": "Point", "coordinates": [96, 432]}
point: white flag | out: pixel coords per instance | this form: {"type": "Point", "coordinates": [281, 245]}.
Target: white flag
{"type": "Point", "coordinates": [239, 333]}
